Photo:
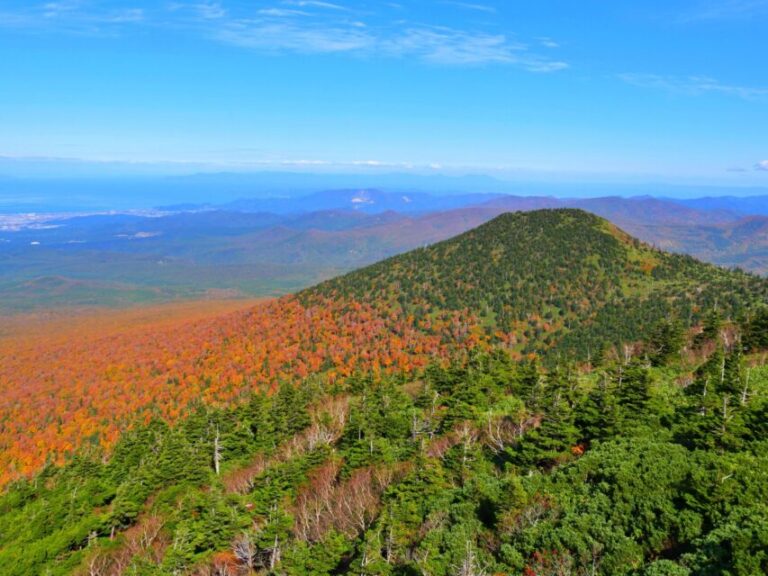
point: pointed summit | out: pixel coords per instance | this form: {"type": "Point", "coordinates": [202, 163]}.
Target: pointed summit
{"type": "Point", "coordinates": [550, 277]}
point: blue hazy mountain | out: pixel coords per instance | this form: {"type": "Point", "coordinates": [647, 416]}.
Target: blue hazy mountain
{"type": "Point", "coordinates": [371, 201]}
{"type": "Point", "coordinates": [47, 186]}
{"type": "Point", "coordinates": [273, 246]}
{"type": "Point", "coordinates": [744, 205]}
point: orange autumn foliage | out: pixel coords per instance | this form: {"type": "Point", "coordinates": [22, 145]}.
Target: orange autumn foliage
{"type": "Point", "coordinates": [59, 394]}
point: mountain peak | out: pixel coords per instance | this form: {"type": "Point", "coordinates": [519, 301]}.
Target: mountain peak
{"type": "Point", "coordinates": [556, 276]}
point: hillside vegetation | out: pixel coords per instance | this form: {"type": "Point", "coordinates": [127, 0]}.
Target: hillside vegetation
{"type": "Point", "coordinates": [536, 279]}
{"type": "Point", "coordinates": [410, 418]}
{"type": "Point", "coordinates": [559, 283]}
{"type": "Point", "coordinates": [478, 465]}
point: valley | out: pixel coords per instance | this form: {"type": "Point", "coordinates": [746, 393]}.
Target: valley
{"type": "Point", "coordinates": [132, 259]}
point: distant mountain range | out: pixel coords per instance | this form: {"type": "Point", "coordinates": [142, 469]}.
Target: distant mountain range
{"type": "Point", "coordinates": [278, 245]}
{"type": "Point", "coordinates": [747, 205]}
{"type": "Point", "coordinates": [375, 200]}
{"type": "Point", "coordinates": [369, 201]}
{"type": "Point", "coordinates": [52, 185]}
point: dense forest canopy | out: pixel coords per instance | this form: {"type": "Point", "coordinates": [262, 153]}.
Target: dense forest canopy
{"type": "Point", "coordinates": [541, 396]}
{"type": "Point", "coordinates": [560, 277]}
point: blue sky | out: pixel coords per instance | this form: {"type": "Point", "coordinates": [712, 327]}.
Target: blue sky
{"type": "Point", "coordinates": [635, 91]}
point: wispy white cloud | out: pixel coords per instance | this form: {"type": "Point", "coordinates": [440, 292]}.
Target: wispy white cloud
{"type": "Point", "coordinates": [727, 9]}
{"type": "Point", "coordinates": [294, 37]}
{"type": "Point", "coordinates": [693, 85]}
{"type": "Point", "coordinates": [314, 4]}
{"type": "Point", "coordinates": [280, 30]}
{"type": "Point", "coordinates": [548, 42]}
{"type": "Point", "coordinates": [282, 12]}
{"type": "Point", "coordinates": [472, 6]}
{"type": "Point", "coordinates": [304, 27]}
{"type": "Point", "coordinates": [125, 16]}
{"type": "Point", "coordinates": [369, 164]}
{"type": "Point", "coordinates": [454, 47]}
{"type": "Point", "coordinates": [334, 164]}
{"type": "Point", "coordinates": [443, 46]}
{"type": "Point", "coordinates": [202, 10]}
{"type": "Point", "coordinates": [31, 164]}
{"type": "Point", "coordinates": [58, 9]}
{"type": "Point", "coordinates": [74, 16]}
{"type": "Point", "coordinates": [210, 10]}
{"type": "Point", "coordinates": [762, 166]}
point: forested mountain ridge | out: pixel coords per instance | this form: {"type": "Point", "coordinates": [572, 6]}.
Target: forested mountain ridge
{"type": "Point", "coordinates": [555, 283]}
{"type": "Point", "coordinates": [393, 431]}
{"type": "Point", "coordinates": [536, 279]}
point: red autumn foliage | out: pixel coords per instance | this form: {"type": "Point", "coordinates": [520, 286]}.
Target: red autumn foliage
{"type": "Point", "coordinates": [57, 395]}
{"type": "Point", "coordinates": [550, 563]}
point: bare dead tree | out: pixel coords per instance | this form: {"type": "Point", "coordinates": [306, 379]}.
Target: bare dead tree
{"type": "Point", "coordinates": [99, 565]}
{"type": "Point", "coordinates": [469, 565]}
{"type": "Point", "coordinates": [629, 351]}
{"type": "Point", "coordinates": [150, 532]}
{"type": "Point", "coordinates": [349, 507]}
{"type": "Point", "coordinates": [326, 428]}
{"type": "Point", "coordinates": [468, 437]}
{"type": "Point", "coordinates": [245, 550]}
{"type": "Point", "coordinates": [727, 416]}
{"type": "Point", "coordinates": [422, 561]}
{"type": "Point", "coordinates": [275, 553]}
{"type": "Point", "coordinates": [503, 430]}
{"type": "Point", "coordinates": [217, 452]}
{"type": "Point", "coordinates": [745, 391]}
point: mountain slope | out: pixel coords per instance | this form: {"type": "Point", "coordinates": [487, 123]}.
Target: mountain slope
{"type": "Point", "coordinates": [551, 276]}
{"type": "Point", "coordinates": [742, 243]}
{"type": "Point", "coordinates": [373, 431]}
{"type": "Point", "coordinates": [548, 282]}
{"type": "Point", "coordinates": [369, 426]}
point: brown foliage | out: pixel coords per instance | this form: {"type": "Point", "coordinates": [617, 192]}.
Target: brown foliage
{"type": "Point", "coordinates": [327, 426]}
{"type": "Point", "coordinates": [146, 539]}
{"type": "Point", "coordinates": [348, 507]}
